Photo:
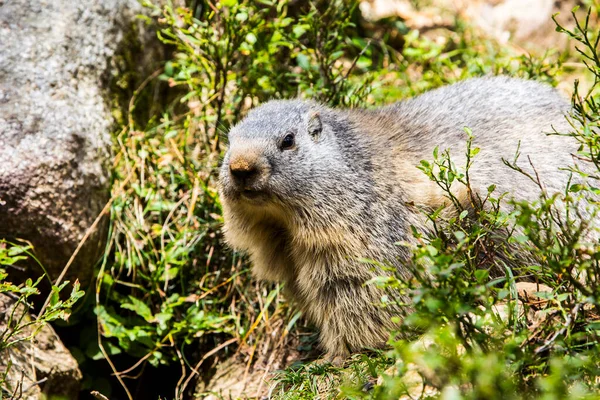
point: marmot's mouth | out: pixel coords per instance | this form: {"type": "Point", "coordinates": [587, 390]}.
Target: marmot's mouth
{"type": "Point", "coordinates": [253, 195]}
{"type": "Point", "coordinates": [250, 193]}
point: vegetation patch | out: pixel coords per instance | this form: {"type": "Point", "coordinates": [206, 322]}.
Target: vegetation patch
{"type": "Point", "coordinates": [170, 294]}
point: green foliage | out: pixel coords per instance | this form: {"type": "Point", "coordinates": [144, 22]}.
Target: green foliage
{"type": "Point", "coordinates": [322, 380]}
{"type": "Point", "coordinates": [424, 64]}
{"type": "Point", "coordinates": [18, 325]}
{"type": "Point", "coordinates": [168, 287]}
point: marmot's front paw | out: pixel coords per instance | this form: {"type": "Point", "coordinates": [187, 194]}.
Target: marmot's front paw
{"type": "Point", "coordinates": [335, 360]}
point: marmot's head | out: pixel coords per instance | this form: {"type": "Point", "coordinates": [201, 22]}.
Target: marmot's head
{"type": "Point", "coordinates": [284, 152]}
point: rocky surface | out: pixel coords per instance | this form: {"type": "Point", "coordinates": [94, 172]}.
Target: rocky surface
{"type": "Point", "coordinates": [55, 125]}
{"type": "Point", "coordinates": [37, 368]}
{"type": "Point", "coordinates": [250, 372]}
{"type": "Point", "coordinates": [526, 23]}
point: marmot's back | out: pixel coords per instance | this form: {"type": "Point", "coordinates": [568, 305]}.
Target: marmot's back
{"type": "Point", "coordinates": [505, 115]}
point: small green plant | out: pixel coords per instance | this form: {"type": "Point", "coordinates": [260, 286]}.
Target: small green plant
{"type": "Point", "coordinates": [17, 325]}
{"type": "Point", "coordinates": [322, 380]}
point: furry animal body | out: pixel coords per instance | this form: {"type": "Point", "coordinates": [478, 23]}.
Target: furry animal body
{"type": "Point", "coordinates": [308, 191]}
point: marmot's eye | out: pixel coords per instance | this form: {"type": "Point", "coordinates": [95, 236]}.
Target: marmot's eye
{"type": "Point", "coordinates": [287, 142]}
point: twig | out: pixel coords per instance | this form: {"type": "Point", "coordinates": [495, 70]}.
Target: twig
{"type": "Point", "coordinates": [137, 364]}
{"type": "Point", "coordinates": [570, 318]}
{"type": "Point", "coordinates": [179, 392]}
{"type": "Point", "coordinates": [35, 384]}
{"type": "Point", "coordinates": [362, 52]}
{"type": "Point", "coordinates": [98, 395]}
{"type": "Point", "coordinates": [19, 387]}
{"type": "Point", "coordinates": [183, 373]}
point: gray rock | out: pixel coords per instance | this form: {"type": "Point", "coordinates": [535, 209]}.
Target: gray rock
{"type": "Point", "coordinates": [55, 124]}
{"type": "Point", "coordinates": [525, 23]}
{"type": "Point", "coordinates": [40, 368]}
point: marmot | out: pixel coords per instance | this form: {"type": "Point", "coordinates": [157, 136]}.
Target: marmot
{"type": "Point", "coordinates": [308, 191]}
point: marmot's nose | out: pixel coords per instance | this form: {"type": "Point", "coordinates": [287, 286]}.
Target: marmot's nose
{"type": "Point", "coordinates": [242, 170]}
{"type": "Point", "coordinates": [243, 174]}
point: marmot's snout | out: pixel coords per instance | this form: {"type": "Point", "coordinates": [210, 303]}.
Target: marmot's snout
{"type": "Point", "coordinates": [248, 172]}
{"type": "Point", "coordinates": [243, 171]}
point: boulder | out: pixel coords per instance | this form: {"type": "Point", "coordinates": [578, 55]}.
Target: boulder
{"type": "Point", "coordinates": [524, 23]}
{"type": "Point", "coordinates": [38, 368]}
{"type": "Point", "coordinates": [55, 123]}
{"type": "Point", "coordinates": [527, 23]}
{"type": "Point", "coordinates": [251, 372]}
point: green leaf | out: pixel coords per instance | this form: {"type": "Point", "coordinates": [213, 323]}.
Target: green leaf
{"type": "Point", "coordinates": [460, 236]}
{"type": "Point", "coordinates": [576, 187]}
{"type": "Point", "coordinates": [229, 3]}
{"type": "Point", "coordinates": [299, 30]}
{"type": "Point", "coordinates": [251, 38]}
{"type": "Point", "coordinates": [162, 318]}
{"type": "Point", "coordinates": [334, 56]}
{"type": "Point", "coordinates": [139, 307]}
{"type": "Point", "coordinates": [169, 68]}
{"type": "Point", "coordinates": [481, 275]}
{"type": "Point", "coordinates": [242, 16]}
{"type": "Point", "coordinates": [432, 251]}
{"type": "Point", "coordinates": [303, 61]}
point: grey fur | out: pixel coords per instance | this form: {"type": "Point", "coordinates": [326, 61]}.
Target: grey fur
{"type": "Point", "coordinates": [352, 190]}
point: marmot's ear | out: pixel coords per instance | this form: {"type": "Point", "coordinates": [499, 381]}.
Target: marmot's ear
{"type": "Point", "coordinates": [314, 124]}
